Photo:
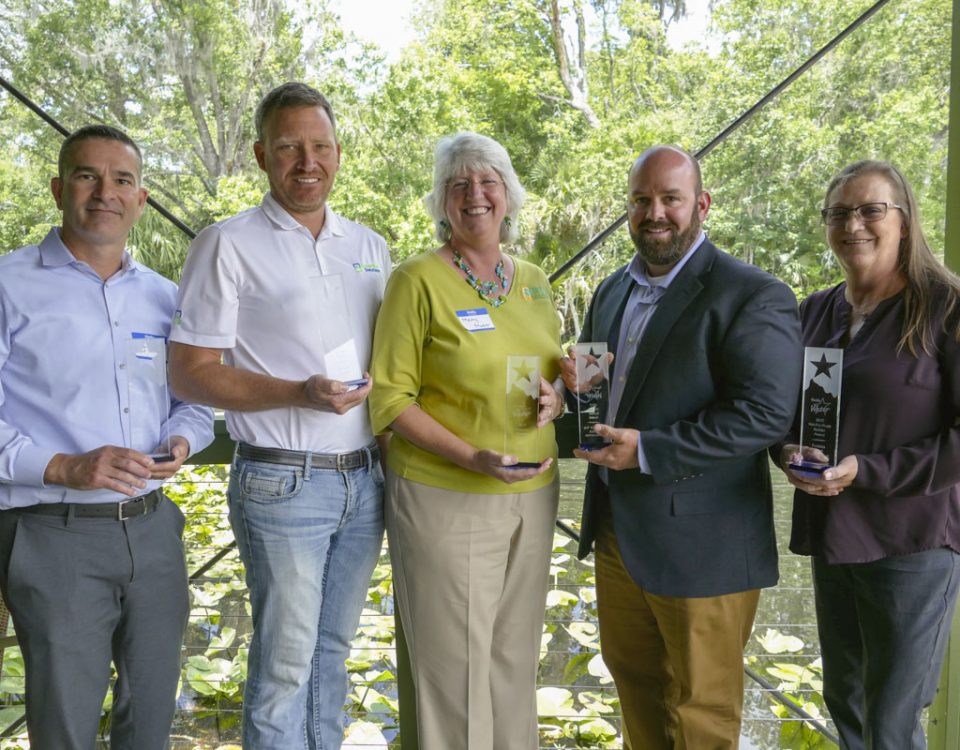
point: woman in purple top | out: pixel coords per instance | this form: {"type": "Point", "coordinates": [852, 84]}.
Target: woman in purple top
{"type": "Point", "coordinates": [883, 524]}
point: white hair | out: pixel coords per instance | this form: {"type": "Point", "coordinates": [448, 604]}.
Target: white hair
{"type": "Point", "coordinates": [464, 152]}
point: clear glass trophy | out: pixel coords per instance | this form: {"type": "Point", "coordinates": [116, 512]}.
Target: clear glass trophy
{"type": "Point", "coordinates": [593, 392]}
{"type": "Point", "coordinates": [520, 435]}
{"type": "Point", "coordinates": [820, 407]}
{"type": "Point", "coordinates": [148, 395]}
{"type": "Point", "coordinates": [340, 359]}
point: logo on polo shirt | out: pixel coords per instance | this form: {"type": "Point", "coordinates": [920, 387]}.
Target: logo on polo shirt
{"type": "Point", "coordinates": [367, 268]}
{"type": "Point", "coordinates": [530, 293]}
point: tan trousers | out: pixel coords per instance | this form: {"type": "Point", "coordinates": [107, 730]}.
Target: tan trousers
{"type": "Point", "coordinates": [677, 662]}
{"type": "Point", "coordinates": [470, 575]}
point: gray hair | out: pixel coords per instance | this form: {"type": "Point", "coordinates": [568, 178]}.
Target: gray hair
{"type": "Point", "coordinates": [288, 96]}
{"type": "Point", "coordinates": [459, 153]}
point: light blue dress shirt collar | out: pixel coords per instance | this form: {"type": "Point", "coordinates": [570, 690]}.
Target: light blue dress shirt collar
{"type": "Point", "coordinates": [638, 268]}
{"type": "Point", "coordinates": [54, 253]}
{"type": "Point", "coordinates": [644, 295]}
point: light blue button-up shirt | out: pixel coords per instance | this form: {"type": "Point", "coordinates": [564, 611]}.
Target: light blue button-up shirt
{"type": "Point", "coordinates": [70, 380]}
{"type": "Point", "coordinates": [645, 294]}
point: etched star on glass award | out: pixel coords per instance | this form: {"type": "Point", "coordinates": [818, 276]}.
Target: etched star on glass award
{"type": "Point", "coordinates": [148, 396]}
{"type": "Point", "coordinates": [593, 392]}
{"type": "Point", "coordinates": [340, 359]}
{"type": "Point", "coordinates": [520, 434]}
{"type": "Point", "coordinates": [820, 407]}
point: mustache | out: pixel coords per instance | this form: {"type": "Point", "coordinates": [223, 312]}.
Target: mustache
{"type": "Point", "coordinates": [657, 225]}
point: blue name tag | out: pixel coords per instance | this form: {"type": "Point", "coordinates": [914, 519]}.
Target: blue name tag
{"type": "Point", "coordinates": [475, 320]}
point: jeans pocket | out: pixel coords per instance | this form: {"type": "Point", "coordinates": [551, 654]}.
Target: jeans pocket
{"type": "Point", "coordinates": [269, 484]}
{"type": "Point", "coordinates": [376, 472]}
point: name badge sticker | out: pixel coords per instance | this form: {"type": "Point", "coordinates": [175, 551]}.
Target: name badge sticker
{"type": "Point", "coordinates": [475, 320]}
{"type": "Point", "coordinates": [151, 345]}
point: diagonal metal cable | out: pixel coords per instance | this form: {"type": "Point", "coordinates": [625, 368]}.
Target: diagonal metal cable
{"type": "Point", "coordinates": [601, 237]}
{"type": "Point", "coordinates": [47, 118]}
{"type": "Point", "coordinates": [589, 248]}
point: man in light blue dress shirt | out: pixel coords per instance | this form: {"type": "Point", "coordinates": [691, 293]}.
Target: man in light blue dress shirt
{"type": "Point", "coordinates": [91, 561]}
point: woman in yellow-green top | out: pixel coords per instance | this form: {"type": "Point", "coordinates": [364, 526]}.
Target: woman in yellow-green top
{"type": "Point", "coordinates": [470, 531]}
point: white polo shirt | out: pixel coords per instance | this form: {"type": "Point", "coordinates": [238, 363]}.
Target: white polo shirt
{"type": "Point", "coordinates": [248, 288]}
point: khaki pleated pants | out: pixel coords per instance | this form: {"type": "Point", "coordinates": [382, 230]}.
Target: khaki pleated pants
{"type": "Point", "coordinates": [470, 575]}
{"type": "Point", "coordinates": [677, 662]}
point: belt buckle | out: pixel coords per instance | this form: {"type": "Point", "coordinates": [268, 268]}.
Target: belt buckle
{"type": "Point", "coordinates": [342, 461]}
{"type": "Point", "coordinates": [120, 509]}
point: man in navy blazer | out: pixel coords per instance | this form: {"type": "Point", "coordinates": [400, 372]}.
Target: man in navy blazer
{"type": "Point", "coordinates": [705, 377]}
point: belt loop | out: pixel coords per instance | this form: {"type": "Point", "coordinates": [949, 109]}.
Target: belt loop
{"type": "Point", "coordinates": [307, 465]}
{"type": "Point", "coordinates": [68, 520]}
{"type": "Point", "coordinates": [369, 454]}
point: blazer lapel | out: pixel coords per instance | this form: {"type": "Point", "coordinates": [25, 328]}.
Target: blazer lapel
{"type": "Point", "coordinates": [616, 303]}
{"type": "Point", "coordinates": [683, 290]}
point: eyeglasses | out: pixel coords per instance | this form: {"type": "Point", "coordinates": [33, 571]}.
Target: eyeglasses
{"type": "Point", "coordinates": [462, 186]}
{"type": "Point", "coordinates": [837, 216]}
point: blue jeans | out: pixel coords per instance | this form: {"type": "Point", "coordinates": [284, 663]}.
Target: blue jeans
{"type": "Point", "coordinates": [309, 541]}
{"type": "Point", "coordinates": [883, 630]}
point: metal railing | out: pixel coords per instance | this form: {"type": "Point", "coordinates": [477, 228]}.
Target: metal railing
{"type": "Point", "coordinates": [766, 688]}
{"type": "Point", "coordinates": [952, 255]}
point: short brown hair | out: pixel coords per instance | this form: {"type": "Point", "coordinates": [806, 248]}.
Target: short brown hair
{"type": "Point", "coordinates": [289, 95]}
{"type": "Point", "coordinates": [90, 132]}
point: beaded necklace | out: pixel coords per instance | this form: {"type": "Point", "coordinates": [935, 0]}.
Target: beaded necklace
{"type": "Point", "coordinates": [483, 288]}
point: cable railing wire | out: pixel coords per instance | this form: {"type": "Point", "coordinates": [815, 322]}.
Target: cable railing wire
{"type": "Point", "coordinates": [589, 248]}
{"type": "Point", "coordinates": [600, 238]}
{"type": "Point", "coordinates": [47, 118]}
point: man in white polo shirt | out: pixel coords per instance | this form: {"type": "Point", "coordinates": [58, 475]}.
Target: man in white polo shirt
{"type": "Point", "coordinates": [274, 323]}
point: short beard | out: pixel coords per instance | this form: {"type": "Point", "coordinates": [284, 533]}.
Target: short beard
{"type": "Point", "coordinates": [657, 253]}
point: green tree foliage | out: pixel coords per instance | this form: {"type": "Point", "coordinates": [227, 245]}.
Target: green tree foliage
{"type": "Point", "coordinates": [573, 88]}
{"type": "Point", "coordinates": [880, 94]}
{"type": "Point", "coordinates": [181, 77]}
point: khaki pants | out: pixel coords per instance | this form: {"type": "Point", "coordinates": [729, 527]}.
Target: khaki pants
{"type": "Point", "coordinates": [677, 662]}
{"type": "Point", "coordinates": [470, 574]}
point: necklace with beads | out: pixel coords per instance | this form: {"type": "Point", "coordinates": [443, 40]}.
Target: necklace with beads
{"type": "Point", "coordinates": [483, 288]}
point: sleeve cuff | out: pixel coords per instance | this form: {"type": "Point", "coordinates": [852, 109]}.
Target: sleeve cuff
{"type": "Point", "coordinates": [180, 336]}
{"type": "Point", "coordinates": [196, 440]}
{"type": "Point", "coordinates": [29, 466]}
{"type": "Point", "coordinates": [641, 456]}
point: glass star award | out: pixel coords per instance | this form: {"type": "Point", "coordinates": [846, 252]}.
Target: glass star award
{"type": "Point", "coordinates": [820, 406]}
{"type": "Point", "coordinates": [340, 359]}
{"type": "Point", "coordinates": [593, 391]}
{"type": "Point", "coordinates": [148, 395]}
{"type": "Point", "coordinates": [520, 434]}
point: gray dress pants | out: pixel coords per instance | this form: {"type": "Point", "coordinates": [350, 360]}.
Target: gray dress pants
{"type": "Point", "coordinates": [83, 591]}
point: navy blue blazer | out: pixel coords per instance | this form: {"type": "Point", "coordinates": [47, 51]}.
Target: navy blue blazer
{"type": "Point", "coordinates": [713, 384]}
